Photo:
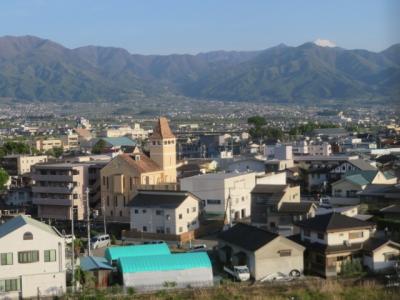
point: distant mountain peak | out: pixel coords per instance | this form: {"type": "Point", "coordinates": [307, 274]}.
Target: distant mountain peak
{"type": "Point", "coordinates": [324, 43]}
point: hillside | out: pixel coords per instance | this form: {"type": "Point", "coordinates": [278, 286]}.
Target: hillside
{"type": "Point", "coordinates": [36, 69]}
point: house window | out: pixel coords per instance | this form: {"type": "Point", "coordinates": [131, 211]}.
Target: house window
{"type": "Point", "coordinates": [124, 201]}
{"type": "Point", "coordinates": [49, 255]}
{"type": "Point", "coordinates": [356, 235]}
{"type": "Point", "coordinates": [194, 209]}
{"type": "Point", "coordinates": [390, 256]}
{"type": "Point", "coordinates": [6, 259]}
{"type": "Point", "coordinates": [108, 201]}
{"type": "Point", "coordinates": [187, 210]}
{"type": "Point", "coordinates": [321, 236]}
{"type": "Point", "coordinates": [180, 229]}
{"type": "Point", "coordinates": [120, 213]}
{"type": "Point", "coordinates": [167, 230]}
{"type": "Point", "coordinates": [25, 257]}
{"type": "Point", "coordinates": [107, 182]}
{"type": "Point", "coordinates": [136, 211]}
{"type": "Point", "coordinates": [130, 183]}
{"type": "Point", "coordinates": [180, 216]}
{"type": "Point", "coordinates": [115, 201]}
{"type": "Point", "coordinates": [144, 228]}
{"type": "Point", "coordinates": [9, 285]}
{"type": "Point", "coordinates": [144, 211]}
{"type": "Point", "coordinates": [104, 180]}
{"type": "Point", "coordinates": [285, 252]}
{"type": "Point", "coordinates": [160, 229]}
{"type": "Point", "coordinates": [159, 212]}
{"type": "Point", "coordinates": [213, 201]}
{"type": "Point", "coordinates": [28, 236]}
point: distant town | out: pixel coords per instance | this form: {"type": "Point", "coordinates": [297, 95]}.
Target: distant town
{"type": "Point", "coordinates": [122, 200]}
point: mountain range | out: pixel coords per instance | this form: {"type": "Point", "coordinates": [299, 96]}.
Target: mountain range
{"type": "Point", "coordinates": [35, 69]}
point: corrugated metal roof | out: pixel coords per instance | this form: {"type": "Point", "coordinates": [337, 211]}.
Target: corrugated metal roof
{"type": "Point", "coordinates": [22, 220]}
{"type": "Point", "coordinates": [180, 261]}
{"type": "Point", "coordinates": [89, 263]}
{"type": "Point", "coordinates": [114, 253]}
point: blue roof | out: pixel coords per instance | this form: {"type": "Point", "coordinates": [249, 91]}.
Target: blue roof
{"type": "Point", "coordinates": [89, 263]}
{"type": "Point", "coordinates": [22, 220]}
{"type": "Point", "coordinates": [114, 253]}
{"type": "Point", "coordinates": [119, 141]}
{"type": "Point", "coordinates": [180, 261]}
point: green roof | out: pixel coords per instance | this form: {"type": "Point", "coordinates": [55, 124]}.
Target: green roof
{"type": "Point", "coordinates": [114, 253]}
{"type": "Point", "coordinates": [22, 220]}
{"type": "Point", "coordinates": [361, 177]}
{"type": "Point", "coordinates": [180, 261]}
{"type": "Point", "coordinates": [119, 141]}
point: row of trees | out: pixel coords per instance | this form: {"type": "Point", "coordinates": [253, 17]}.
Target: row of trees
{"type": "Point", "coordinates": [16, 147]}
{"type": "Point", "coordinates": [259, 129]}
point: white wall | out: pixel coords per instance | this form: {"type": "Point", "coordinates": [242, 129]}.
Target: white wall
{"type": "Point", "coordinates": [45, 275]}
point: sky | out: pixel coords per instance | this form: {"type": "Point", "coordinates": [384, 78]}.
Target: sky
{"type": "Point", "coordinates": [192, 26]}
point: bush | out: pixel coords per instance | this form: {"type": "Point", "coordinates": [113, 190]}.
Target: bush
{"type": "Point", "coordinates": [351, 267]}
{"type": "Point", "coordinates": [131, 291]}
{"type": "Point", "coordinates": [113, 239]}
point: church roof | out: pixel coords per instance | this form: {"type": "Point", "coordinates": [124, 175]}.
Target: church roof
{"type": "Point", "coordinates": [141, 162]}
{"type": "Point", "coordinates": [162, 130]}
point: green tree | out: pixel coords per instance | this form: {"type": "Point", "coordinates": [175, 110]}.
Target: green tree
{"type": "Point", "coordinates": [257, 123]}
{"type": "Point", "coordinates": [99, 147]}
{"type": "Point", "coordinates": [3, 178]}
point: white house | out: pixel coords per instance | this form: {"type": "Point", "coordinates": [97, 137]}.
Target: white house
{"type": "Point", "coordinates": [219, 191]}
{"type": "Point", "coordinates": [32, 260]}
{"type": "Point", "coordinates": [164, 212]}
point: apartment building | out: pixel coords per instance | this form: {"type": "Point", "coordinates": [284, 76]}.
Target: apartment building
{"type": "Point", "coordinates": [126, 173]}
{"type": "Point", "coordinates": [324, 149]}
{"type": "Point", "coordinates": [32, 260]}
{"type": "Point", "coordinates": [59, 189]}
{"type": "Point", "coordinates": [169, 214]}
{"type": "Point", "coordinates": [44, 145]}
{"type": "Point", "coordinates": [20, 164]}
{"type": "Point", "coordinates": [70, 141]}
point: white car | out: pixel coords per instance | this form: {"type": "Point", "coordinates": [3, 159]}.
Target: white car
{"type": "Point", "coordinates": [100, 241]}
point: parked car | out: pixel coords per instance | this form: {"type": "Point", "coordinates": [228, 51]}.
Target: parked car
{"type": "Point", "coordinates": [100, 241]}
{"type": "Point", "coordinates": [198, 248]}
{"type": "Point", "coordinates": [240, 273]}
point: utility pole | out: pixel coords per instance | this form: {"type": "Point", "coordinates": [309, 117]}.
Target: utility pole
{"type": "Point", "coordinates": [73, 249]}
{"type": "Point", "coordinates": [104, 217]}
{"type": "Point", "coordinates": [88, 219]}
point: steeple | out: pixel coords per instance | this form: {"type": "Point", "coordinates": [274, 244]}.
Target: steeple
{"type": "Point", "coordinates": [163, 149]}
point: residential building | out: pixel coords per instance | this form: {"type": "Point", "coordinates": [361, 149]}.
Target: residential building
{"type": "Point", "coordinates": [223, 192]}
{"type": "Point", "coordinates": [263, 252]}
{"type": "Point", "coordinates": [20, 164]}
{"type": "Point", "coordinates": [44, 145]}
{"type": "Point", "coordinates": [333, 239]}
{"type": "Point", "coordinates": [126, 173]}
{"type": "Point", "coordinates": [323, 149]}
{"type": "Point", "coordinates": [32, 260]}
{"type": "Point", "coordinates": [70, 141]}
{"type": "Point", "coordinates": [276, 207]}
{"type": "Point", "coordinates": [59, 190]}
{"type": "Point", "coordinates": [166, 215]}
{"type": "Point", "coordinates": [99, 268]}
{"type": "Point", "coordinates": [354, 182]}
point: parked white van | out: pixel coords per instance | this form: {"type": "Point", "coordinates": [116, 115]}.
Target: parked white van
{"type": "Point", "coordinates": [100, 241]}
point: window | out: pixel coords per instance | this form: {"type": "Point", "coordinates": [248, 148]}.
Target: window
{"type": "Point", "coordinates": [187, 210]}
{"type": "Point", "coordinates": [28, 236]}
{"type": "Point", "coordinates": [120, 213]}
{"type": "Point", "coordinates": [356, 235]}
{"type": "Point", "coordinates": [130, 183]}
{"type": "Point", "coordinates": [144, 211]}
{"type": "Point", "coordinates": [6, 259]}
{"type": "Point", "coordinates": [124, 201]}
{"type": "Point", "coordinates": [180, 229]}
{"type": "Point", "coordinates": [8, 285]}
{"type": "Point", "coordinates": [49, 255]}
{"type": "Point", "coordinates": [180, 216]}
{"type": "Point", "coordinates": [194, 209]}
{"type": "Point", "coordinates": [107, 182]}
{"type": "Point", "coordinates": [390, 256]}
{"type": "Point", "coordinates": [285, 252]}
{"type": "Point", "coordinates": [104, 180]}
{"type": "Point", "coordinates": [213, 201]}
{"type": "Point", "coordinates": [321, 236]}
{"type": "Point", "coordinates": [115, 201]}
{"type": "Point", "coordinates": [144, 228]}
{"type": "Point", "coordinates": [159, 212]}
{"type": "Point", "coordinates": [136, 211]}
{"type": "Point", "coordinates": [25, 257]}
{"type": "Point", "coordinates": [108, 201]}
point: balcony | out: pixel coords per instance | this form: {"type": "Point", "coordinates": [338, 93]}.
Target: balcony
{"type": "Point", "coordinates": [52, 189]}
{"type": "Point", "coordinates": [58, 178]}
{"type": "Point", "coordinates": [52, 201]}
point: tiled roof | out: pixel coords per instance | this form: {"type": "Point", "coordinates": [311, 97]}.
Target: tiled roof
{"type": "Point", "coordinates": [119, 141]}
{"type": "Point", "coordinates": [395, 208]}
{"type": "Point", "coordinates": [166, 199]}
{"type": "Point", "coordinates": [22, 220]}
{"type": "Point", "coordinates": [247, 237]}
{"type": "Point", "coordinates": [162, 130]}
{"type": "Point", "coordinates": [141, 162]}
{"type": "Point", "coordinates": [362, 165]}
{"type": "Point", "coordinates": [332, 222]}
{"type": "Point", "coordinates": [295, 207]}
{"type": "Point", "coordinates": [88, 263]}
{"type": "Point", "coordinates": [373, 243]}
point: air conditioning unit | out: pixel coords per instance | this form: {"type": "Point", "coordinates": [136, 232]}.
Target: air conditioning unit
{"type": "Point", "coordinates": [347, 243]}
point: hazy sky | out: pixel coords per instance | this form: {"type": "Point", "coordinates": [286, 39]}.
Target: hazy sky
{"type": "Point", "coordinates": [191, 26]}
